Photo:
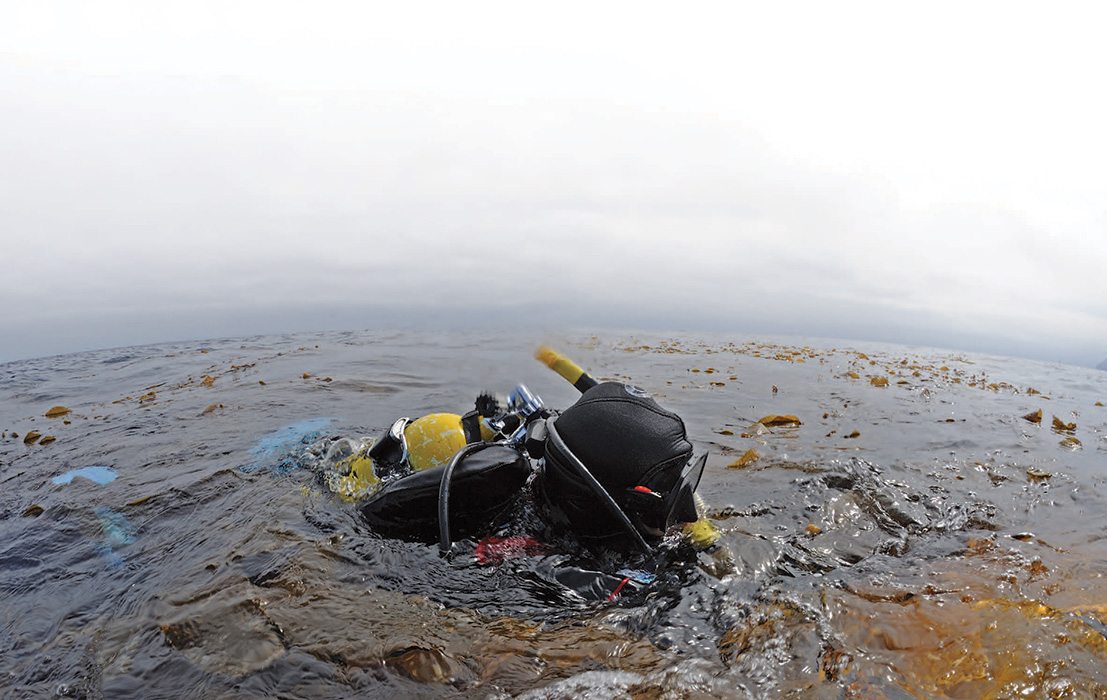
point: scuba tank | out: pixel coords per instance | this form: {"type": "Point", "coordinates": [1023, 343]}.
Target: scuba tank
{"type": "Point", "coordinates": [397, 478]}
{"type": "Point", "coordinates": [355, 468]}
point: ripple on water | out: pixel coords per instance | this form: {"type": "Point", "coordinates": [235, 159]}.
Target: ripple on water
{"type": "Point", "coordinates": [917, 558]}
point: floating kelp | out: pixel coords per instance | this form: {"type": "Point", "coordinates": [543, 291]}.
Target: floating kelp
{"type": "Point", "coordinates": [422, 665]}
{"type": "Point", "coordinates": [1070, 442]}
{"type": "Point", "coordinates": [779, 420]}
{"type": "Point", "coordinates": [748, 457]}
{"type": "Point", "coordinates": [1036, 474]}
{"type": "Point", "coordinates": [230, 633]}
{"type": "Point", "coordinates": [1060, 426]}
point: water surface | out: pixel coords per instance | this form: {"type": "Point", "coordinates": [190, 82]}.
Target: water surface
{"type": "Point", "coordinates": [919, 539]}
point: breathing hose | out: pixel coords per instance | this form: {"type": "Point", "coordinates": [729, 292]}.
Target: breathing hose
{"type": "Point", "coordinates": [597, 488]}
{"type": "Point", "coordinates": [444, 544]}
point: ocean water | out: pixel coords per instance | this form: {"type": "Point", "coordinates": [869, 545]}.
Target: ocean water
{"type": "Point", "coordinates": [918, 538]}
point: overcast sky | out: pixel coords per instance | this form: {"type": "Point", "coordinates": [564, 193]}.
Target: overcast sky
{"type": "Point", "coordinates": [930, 175]}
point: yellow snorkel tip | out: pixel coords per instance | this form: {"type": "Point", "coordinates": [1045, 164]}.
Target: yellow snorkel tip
{"type": "Point", "coordinates": [566, 368]}
{"type": "Point", "coordinates": [702, 533]}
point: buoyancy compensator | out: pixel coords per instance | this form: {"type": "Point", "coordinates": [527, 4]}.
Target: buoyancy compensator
{"type": "Point", "coordinates": [483, 486]}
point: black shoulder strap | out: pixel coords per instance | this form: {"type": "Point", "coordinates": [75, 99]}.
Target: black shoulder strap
{"type": "Point", "coordinates": [389, 453]}
{"type": "Point", "coordinates": [470, 424]}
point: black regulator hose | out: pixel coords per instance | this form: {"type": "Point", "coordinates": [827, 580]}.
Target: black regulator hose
{"type": "Point", "coordinates": [444, 543]}
{"type": "Point", "coordinates": [597, 488]}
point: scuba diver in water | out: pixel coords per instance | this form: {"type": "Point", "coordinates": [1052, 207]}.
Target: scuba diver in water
{"type": "Point", "coordinates": [615, 471]}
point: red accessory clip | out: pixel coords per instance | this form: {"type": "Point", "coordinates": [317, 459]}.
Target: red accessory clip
{"type": "Point", "coordinates": [494, 550]}
{"type": "Point", "coordinates": [617, 589]}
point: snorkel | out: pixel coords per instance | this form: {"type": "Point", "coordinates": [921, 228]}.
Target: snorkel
{"type": "Point", "coordinates": [566, 368]}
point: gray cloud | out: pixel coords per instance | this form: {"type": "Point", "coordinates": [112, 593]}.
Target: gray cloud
{"type": "Point", "coordinates": [170, 176]}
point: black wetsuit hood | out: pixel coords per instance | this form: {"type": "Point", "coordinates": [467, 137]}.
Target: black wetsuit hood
{"type": "Point", "coordinates": [626, 440]}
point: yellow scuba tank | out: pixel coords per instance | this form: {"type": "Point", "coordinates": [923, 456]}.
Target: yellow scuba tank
{"type": "Point", "coordinates": [436, 437]}
{"type": "Point", "coordinates": [430, 441]}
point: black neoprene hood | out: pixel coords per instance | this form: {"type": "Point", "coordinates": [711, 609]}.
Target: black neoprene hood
{"type": "Point", "coordinates": [626, 440]}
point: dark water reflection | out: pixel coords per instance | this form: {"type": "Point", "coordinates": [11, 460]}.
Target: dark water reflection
{"type": "Point", "coordinates": [948, 549]}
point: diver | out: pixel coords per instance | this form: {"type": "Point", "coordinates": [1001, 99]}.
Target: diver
{"type": "Point", "coordinates": [615, 472]}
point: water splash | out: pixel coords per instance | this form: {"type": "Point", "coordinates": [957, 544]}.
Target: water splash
{"type": "Point", "coordinates": [272, 451]}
